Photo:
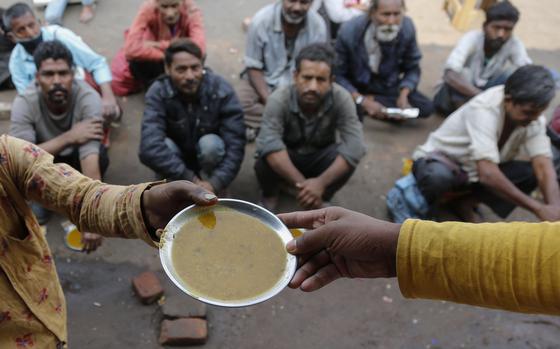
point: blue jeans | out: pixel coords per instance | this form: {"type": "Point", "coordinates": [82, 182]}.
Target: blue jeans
{"type": "Point", "coordinates": [55, 10]}
{"type": "Point", "coordinates": [210, 151]}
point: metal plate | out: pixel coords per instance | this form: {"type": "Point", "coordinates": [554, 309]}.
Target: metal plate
{"type": "Point", "coordinates": [192, 212]}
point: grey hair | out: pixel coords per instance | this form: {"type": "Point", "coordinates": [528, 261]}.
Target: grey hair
{"type": "Point", "coordinates": [15, 11]}
{"type": "Point", "coordinates": [375, 5]}
{"type": "Point", "coordinates": [531, 84]}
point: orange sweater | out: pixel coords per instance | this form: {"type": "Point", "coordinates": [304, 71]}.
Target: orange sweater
{"type": "Point", "coordinates": [148, 26]}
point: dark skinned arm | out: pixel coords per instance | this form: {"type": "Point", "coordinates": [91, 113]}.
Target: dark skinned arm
{"type": "Point", "coordinates": [80, 133]}
{"type": "Point", "coordinates": [492, 178]}
{"type": "Point", "coordinates": [312, 189]}
{"type": "Point", "coordinates": [90, 166]}
{"type": "Point", "coordinates": [548, 181]}
{"type": "Point", "coordinates": [56, 145]}
{"type": "Point", "coordinates": [460, 84]}
{"type": "Point", "coordinates": [256, 79]}
{"type": "Point", "coordinates": [281, 164]}
{"type": "Point", "coordinates": [336, 170]}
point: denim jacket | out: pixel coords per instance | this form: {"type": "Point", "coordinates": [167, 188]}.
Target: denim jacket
{"type": "Point", "coordinates": [166, 115]}
{"type": "Point", "coordinates": [400, 62]}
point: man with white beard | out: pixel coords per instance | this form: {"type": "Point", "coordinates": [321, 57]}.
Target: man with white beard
{"type": "Point", "coordinates": [379, 61]}
{"type": "Point", "coordinates": [276, 35]}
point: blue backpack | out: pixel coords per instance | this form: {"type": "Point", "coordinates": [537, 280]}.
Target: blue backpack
{"type": "Point", "coordinates": [405, 200]}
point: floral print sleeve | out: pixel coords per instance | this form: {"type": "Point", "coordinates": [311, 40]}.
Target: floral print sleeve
{"type": "Point", "coordinates": [109, 210]}
{"type": "Point", "coordinates": [32, 305]}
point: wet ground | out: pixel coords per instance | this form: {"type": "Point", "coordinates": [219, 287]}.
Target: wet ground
{"type": "Point", "coordinates": [103, 312]}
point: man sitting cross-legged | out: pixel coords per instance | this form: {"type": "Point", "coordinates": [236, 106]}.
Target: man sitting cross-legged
{"type": "Point", "coordinates": [63, 116]}
{"type": "Point", "coordinates": [297, 143]}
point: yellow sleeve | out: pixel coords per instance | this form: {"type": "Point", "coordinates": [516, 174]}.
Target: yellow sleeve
{"type": "Point", "coordinates": [510, 266]}
{"type": "Point", "coordinates": [109, 210]}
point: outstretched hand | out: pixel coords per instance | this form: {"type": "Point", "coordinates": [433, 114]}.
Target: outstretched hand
{"type": "Point", "coordinates": [91, 242]}
{"type": "Point", "coordinates": [163, 201]}
{"type": "Point", "coordinates": [340, 243]}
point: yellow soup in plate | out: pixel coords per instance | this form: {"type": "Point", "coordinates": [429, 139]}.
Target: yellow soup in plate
{"type": "Point", "coordinates": [226, 255]}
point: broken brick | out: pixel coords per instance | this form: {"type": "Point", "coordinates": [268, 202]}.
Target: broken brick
{"type": "Point", "coordinates": [147, 287]}
{"type": "Point", "coordinates": [183, 332]}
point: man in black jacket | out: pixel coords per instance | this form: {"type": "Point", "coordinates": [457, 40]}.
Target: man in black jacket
{"type": "Point", "coordinates": [193, 123]}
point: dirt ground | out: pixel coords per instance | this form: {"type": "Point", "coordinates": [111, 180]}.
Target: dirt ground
{"type": "Point", "coordinates": [347, 314]}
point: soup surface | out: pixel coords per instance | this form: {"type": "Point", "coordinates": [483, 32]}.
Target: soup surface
{"type": "Point", "coordinates": [226, 255]}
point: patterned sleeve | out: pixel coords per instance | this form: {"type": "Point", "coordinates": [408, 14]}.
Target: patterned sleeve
{"type": "Point", "coordinates": [109, 210]}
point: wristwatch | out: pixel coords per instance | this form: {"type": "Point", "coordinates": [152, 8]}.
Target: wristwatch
{"type": "Point", "coordinates": [359, 99]}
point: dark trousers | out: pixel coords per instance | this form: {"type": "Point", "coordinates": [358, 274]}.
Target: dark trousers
{"type": "Point", "coordinates": [435, 180]}
{"type": "Point", "coordinates": [447, 99]}
{"type": "Point", "coordinates": [74, 160]}
{"type": "Point", "coordinates": [388, 98]}
{"type": "Point", "coordinates": [310, 165]}
{"type": "Point", "coordinates": [146, 71]}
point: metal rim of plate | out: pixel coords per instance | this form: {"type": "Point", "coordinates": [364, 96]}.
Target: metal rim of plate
{"type": "Point", "coordinates": [265, 216]}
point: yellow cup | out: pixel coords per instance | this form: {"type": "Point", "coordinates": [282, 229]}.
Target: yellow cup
{"type": "Point", "coordinates": [72, 237]}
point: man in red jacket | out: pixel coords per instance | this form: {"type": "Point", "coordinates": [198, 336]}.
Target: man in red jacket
{"type": "Point", "coordinates": [157, 23]}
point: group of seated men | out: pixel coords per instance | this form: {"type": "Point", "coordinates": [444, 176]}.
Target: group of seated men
{"type": "Point", "coordinates": [302, 100]}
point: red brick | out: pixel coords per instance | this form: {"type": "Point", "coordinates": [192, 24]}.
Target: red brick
{"type": "Point", "coordinates": [183, 332]}
{"type": "Point", "coordinates": [147, 287]}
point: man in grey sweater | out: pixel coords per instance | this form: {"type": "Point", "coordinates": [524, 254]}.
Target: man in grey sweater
{"type": "Point", "coordinates": [62, 116]}
{"type": "Point", "coordinates": [298, 144]}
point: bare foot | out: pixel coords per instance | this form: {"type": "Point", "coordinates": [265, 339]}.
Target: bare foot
{"type": "Point", "coordinates": [246, 23]}
{"type": "Point", "coordinates": [87, 13]}
{"type": "Point", "coordinates": [270, 203]}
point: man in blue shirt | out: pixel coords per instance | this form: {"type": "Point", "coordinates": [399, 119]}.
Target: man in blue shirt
{"type": "Point", "coordinates": [24, 30]}
{"type": "Point", "coordinates": [378, 61]}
